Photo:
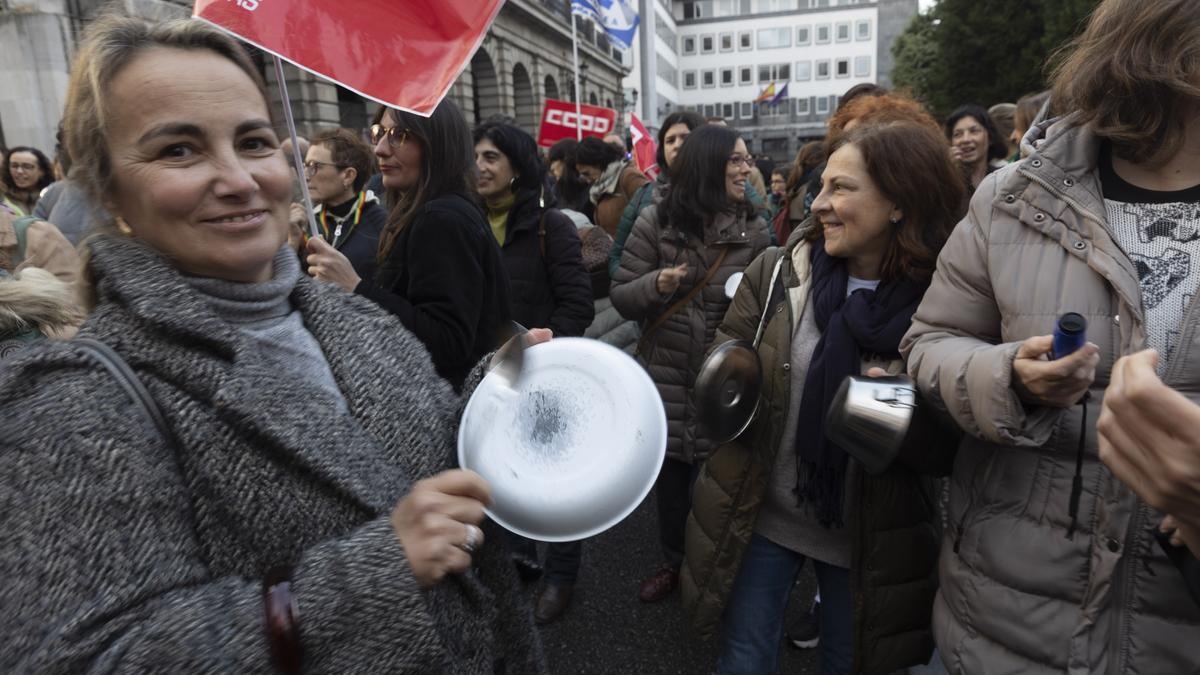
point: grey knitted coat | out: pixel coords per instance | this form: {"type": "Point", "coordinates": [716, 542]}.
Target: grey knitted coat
{"type": "Point", "coordinates": [118, 555]}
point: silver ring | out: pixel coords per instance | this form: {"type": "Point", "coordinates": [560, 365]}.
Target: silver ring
{"type": "Point", "coordinates": [471, 544]}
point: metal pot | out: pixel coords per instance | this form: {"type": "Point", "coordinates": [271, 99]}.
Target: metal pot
{"type": "Point", "coordinates": [879, 420]}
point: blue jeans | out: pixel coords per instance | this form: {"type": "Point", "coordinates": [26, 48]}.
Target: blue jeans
{"type": "Point", "coordinates": [753, 619]}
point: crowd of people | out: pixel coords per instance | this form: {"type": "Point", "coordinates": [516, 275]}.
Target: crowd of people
{"type": "Point", "coordinates": [227, 421]}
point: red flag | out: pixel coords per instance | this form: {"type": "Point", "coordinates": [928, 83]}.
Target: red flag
{"type": "Point", "coordinates": [402, 54]}
{"type": "Point", "coordinates": [559, 121]}
{"type": "Point", "coordinates": [645, 150]}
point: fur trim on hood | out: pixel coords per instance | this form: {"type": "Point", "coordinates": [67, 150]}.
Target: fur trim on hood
{"type": "Point", "coordinates": [35, 298]}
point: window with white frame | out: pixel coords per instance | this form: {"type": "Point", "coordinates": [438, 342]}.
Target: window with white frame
{"type": "Point", "coordinates": [862, 66]}
{"type": "Point", "coordinates": [727, 110]}
{"type": "Point", "coordinates": [726, 8]}
{"type": "Point", "coordinates": [842, 68]}
{"type": "Point", "coordinates": [726, 42]}
{"type": "Point", "coordinates": [727, 77]}
{"type": "Point", "coordinates": [802, 106]}
{"type": "Point", "coordinates": [822, 105]}
{"type": "Point", "coordinates": [776, 5]}
{"type": "Point", "coordinates": [803, 71]}
{"type": "Point", "coordinates": [746, 40]}
{"type": "Point", "coordinates": [822, 69]}
{"type": "Point", "coordinates": [747, 110]}
{"type": "Point", "coordinates": [774, 38]}
{"type": "Point", "coordinates": [862, 30]}
{"type": "Point", "coordinates": [708, 78]}
{"type": "Point", "coordinates": [773, 72]}
{"type": "Point", "coordinates": [689, 45]}
{"type": "Point", "coordinates": [746, 75]}
{"type": "Point", "coordinates": [843, 31]}
{"type": "Point", "coordinates": [778, 110]}
{"type": "Point", "coordinates": [689, 79]}
{"type": "Point", "coordinates": [803, 35]}
{"type": "Point", "coordinates": [710, 110]}
{"type": "Point", "coordinates": [707, 44]}
{"type": "Point", "coordinates": [822, 33]}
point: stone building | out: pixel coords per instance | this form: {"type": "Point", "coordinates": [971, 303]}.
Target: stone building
{"type": "Point", "coordinates": [526, 57]}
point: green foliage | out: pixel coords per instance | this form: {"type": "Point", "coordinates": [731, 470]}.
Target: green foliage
{"type": "Point", "coordinates": [983, 51]}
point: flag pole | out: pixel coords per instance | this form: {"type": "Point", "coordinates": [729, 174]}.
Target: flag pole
{"type": "Point", "coordinates": [296, 158]}
{"type": "Point", "coordinates": [578, 92]}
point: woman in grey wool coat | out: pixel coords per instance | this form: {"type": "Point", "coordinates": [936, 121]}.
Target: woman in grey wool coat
{"type": "Point", "coordinates": [299, 512]}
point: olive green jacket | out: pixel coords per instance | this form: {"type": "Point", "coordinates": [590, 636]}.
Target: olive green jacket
{"type": "Point", "coordinates": [892, 516]}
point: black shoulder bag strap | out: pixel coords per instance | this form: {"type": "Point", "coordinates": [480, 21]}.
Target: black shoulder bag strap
{"type": "Point", "coordinates": [133, 387]}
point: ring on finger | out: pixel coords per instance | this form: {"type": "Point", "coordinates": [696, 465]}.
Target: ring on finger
{"type": "Point", "coordinates": [472, 541]}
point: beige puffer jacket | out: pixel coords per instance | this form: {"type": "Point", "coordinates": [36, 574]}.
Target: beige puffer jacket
{"type": "Point", "coordinates": [1017, 595]}
{"type": "Point", "coordinates": [674, 352]}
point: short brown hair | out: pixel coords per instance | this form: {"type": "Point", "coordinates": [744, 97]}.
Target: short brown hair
{"type": "Point", "coordinates": [1133, 75]}
{"type": "Point", "coordinates": [810, 157]}
{"type": "Point", "coordinates": [109, 44]}
{"type": "Point", "coordinates": [1028, 107]}
{"type": "Point", "coordinates": [910, 164]}
{"type": "Point", "coordinates": [348, 152]}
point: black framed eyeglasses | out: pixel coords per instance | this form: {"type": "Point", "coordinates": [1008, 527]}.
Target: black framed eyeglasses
{"type": "Point", "coordinates": [395, 135]}
{"type": "Point", "coordinates": [312, 166]}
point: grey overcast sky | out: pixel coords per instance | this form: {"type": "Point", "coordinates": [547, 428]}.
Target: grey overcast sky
{"type": "Point", "coordinates": [925, 4]}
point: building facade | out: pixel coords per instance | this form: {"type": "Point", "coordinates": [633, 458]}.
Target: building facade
{"type": "Point", "coordinates": [728, 53]}
{"type": "Point", "coordinates": [525, 58]}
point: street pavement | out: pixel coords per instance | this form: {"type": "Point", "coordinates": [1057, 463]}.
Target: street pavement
{"type": "Point", "coordinates": [607, 630]}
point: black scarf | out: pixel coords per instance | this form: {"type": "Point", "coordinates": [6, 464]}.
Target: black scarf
{"type": "Point", "coordinates": [867, 322]}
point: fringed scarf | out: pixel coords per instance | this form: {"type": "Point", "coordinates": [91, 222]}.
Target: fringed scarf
{"type": "Point", "coordinates": [867, 322]}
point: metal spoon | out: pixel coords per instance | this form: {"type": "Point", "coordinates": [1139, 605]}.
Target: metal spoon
{"type": "Point", "coordinates": [510, 358]}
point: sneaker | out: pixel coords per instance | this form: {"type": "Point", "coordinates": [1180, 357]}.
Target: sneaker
{"type": "Point", "coordinates": [805, 632]}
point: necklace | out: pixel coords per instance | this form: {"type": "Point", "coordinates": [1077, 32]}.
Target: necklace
{"type": "Point", "coordinates": [337, 240]}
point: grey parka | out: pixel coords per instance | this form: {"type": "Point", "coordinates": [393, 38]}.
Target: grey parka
{"type": "Point", "coordinates": [1017, 594]}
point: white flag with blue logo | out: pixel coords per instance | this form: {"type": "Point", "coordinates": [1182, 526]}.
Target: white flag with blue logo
{"type": "Point", "coordinates": [617, 17]}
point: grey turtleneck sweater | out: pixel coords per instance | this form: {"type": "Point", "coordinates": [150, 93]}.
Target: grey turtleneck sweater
{"type": "Point", "coordinates": [264, 313]}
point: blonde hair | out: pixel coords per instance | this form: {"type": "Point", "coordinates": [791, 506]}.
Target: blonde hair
{"type": "Point", "coordinates": [109, 44]}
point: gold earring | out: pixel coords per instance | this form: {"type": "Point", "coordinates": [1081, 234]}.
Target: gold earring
{"type": "Point", "coordinates": [123, 227]}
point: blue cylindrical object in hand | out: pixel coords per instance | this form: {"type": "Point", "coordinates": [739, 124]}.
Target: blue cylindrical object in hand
{"type": "Point", "coordinates": [1070, 333]}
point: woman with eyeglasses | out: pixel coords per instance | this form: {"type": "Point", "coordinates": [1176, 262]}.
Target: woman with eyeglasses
{"type": "Point", "coordinates": [350, 217]}
{"type": "Point", "coordinates": [672, 278]}
{"type": "Point", "coordinates": [440, 269]}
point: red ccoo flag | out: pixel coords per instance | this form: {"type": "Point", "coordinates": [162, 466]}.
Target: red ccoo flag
{"type": "Point", "coordinates": [645, 150]}
{"type": "Point", "coordinates": [401, 54]}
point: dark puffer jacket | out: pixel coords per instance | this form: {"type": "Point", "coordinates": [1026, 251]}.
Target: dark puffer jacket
{"type": "Point", "coordinates": [674, 352]}
{"type": "Point", "coordinates": [552, 290]}
{"type": "Point", "coordinates": [893, 561]}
